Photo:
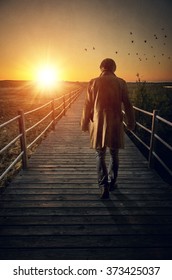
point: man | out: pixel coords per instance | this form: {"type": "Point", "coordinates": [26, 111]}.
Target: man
{"type": "Point", "coordinates": [102, 117]}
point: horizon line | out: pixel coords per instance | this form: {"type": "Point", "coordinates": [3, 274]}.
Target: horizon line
{"type": "Point", "coordinates": [23, 80]}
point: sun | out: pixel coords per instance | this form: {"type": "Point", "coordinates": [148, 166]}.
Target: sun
{"type": "Point", "coordinates": [47, 77]}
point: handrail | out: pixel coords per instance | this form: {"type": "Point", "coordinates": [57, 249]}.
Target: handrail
{"type": "Point", "coordinates": [162, 163]}
{"type": "Point", "coordinates": [10, 121]}
{"type": "Point", "coordinates": [39, 136]}
{"type": "Point", "coordinates": [57, 108]}
{"type": "Point", "coordinates": [55, 112]}
{"type": "Point", "coordinates": [37, 109]}
{"type": "Point", "coordinates": [142, 142]}
{"type": "Point", "coordinates": [9, 144]}
{"type": "Point", "coordinates": [142, 126]}
{"type": "Point", "coordinates": [143, 111]}
{"type": "Point", "coordinates": [36, 124]}
{"type": "Point", "coordinates": [11, 165]}
{"type": "Point", "coordinates": [163, 142]}
{"type": "Point", "coordinates": [164, 120]}
{"type": "Point", "coordinates": [153, 137]}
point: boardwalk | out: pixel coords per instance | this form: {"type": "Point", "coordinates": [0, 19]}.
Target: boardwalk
{"type": "Point", "coordinates": [53, 210]}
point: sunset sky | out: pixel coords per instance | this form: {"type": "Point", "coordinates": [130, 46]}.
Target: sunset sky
{"type": "Point", "coordinates": [74, 36]}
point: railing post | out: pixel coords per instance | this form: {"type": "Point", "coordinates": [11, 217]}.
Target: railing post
{"type": "Point", "coordinates": [152, 140]}
{"type": "Point", "coordinates": [77, 94]}
{"type": "Point", "coordinates": [64, 105]}
{"type": "Point", "coordinates": [53, 113]}
{"type": "Point", "coordinates": [70, 99]}
{"type": "Point", "coordinates": [23, 142]}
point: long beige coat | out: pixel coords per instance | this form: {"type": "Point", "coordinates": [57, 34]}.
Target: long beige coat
{"type": "Point", "coordinates": [102, 113]}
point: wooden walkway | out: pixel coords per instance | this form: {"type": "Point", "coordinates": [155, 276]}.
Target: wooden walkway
{"type": "Point", "coordinates": [53, 210]}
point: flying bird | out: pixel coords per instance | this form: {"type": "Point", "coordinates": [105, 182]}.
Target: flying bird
{"type": "Point", "coordinates": [145, 41]}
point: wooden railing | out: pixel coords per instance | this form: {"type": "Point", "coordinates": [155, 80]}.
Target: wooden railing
{"type": "Point", "coordinates": [54, 113]}
{"type": "Point", "coordinates": [151, 147]}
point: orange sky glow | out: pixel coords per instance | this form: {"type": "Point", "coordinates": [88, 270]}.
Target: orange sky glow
{"type": "Point", "coordinates": [74, 36]}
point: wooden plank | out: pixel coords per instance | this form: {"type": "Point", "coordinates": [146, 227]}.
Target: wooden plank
{"type": "Point", "coordinates": [87, 241]}
{"type": "Point", "coordinates": [87, 253]}
{"type": "Point", "coordinates": [84, 180]}
{"type": "Point", "coordinates": [122, 187]}
{"type": "Point", "coordinates": [86, 229]}
{"type": "Point", "coordinates": [86, 219]}
{"type": "Point", "coordinates": [72, 203]}
{"type": "Point", "coordinates": [71, 211]}
{"type": "Point", "coordinates": [82, 196]}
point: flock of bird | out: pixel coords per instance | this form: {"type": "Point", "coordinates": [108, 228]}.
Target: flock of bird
{"type": "Point", "coordinates": [146, 42]}
{"type": "Point", "coordinates": [151, 46]}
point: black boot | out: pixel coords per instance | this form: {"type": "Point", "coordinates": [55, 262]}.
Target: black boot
{"type": "Point", "coordinates": [105, 192]}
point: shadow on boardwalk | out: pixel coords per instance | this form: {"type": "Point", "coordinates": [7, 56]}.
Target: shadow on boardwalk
{"type": "Point", "coordinates": [53, 210]}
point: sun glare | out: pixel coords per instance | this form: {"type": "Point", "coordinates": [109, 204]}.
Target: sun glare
{"type": "Point", "coordinates": [47, 77]}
